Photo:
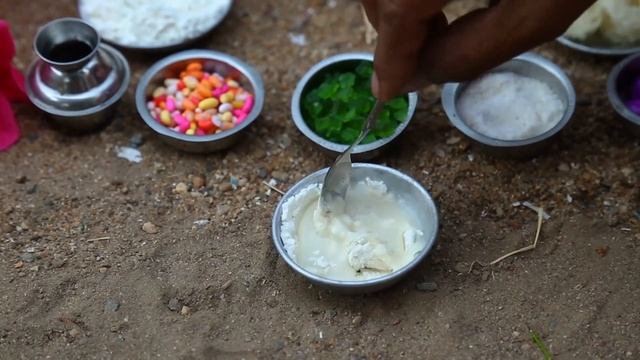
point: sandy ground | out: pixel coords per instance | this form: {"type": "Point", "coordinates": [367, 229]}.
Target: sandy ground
{"type": "Point", "coordinates": [80, 279]}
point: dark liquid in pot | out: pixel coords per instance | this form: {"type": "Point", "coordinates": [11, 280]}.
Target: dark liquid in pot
{"type": "Point", "coordinates": [69, 51]}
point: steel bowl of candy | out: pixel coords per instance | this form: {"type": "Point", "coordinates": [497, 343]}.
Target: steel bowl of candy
{"type": "Point", "coordinates": [623, 88]}
{"type": "Point", "coordinates": [332, 100]}
{"type": "Point", "coordinates": [200, 101]}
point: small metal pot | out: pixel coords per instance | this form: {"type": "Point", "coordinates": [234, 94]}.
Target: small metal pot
{"type": "Point", "coordinates": [618, 82]}
{"type": "Point", "coordinates": [530, 65]}
{"type": "Point", "coordinates": [224, 64]}
{"type": "Point", "coordinates": [76, 80]}
{"type": "Point", "coordinates": [341, 62]}
{"type": "Point", "coordinates": [404, 187]}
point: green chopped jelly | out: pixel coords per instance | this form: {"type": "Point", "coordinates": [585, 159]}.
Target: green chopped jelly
{"type": "Point", "coordinates": [337, 108]}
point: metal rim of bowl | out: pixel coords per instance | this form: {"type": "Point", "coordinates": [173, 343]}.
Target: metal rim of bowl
{"type": "Point", "coordinates": [301, 124]}
{"type": "Point", "coordinates": [395, 275]}
{"type": "Point", "coordinates": [94, 109]}
{"type": "Point", "coordinates": [252, 75]}
{"type": "Point", "coordinates": [161, 48]}
{"type": "Point", "coordinates": [596, 50]}
{"type": "Point", "coordinates": [612, 92]}
{"type": "Point", "coordinates": [67, 19]}
{"type": "Point", "coordinates": [449, 103]}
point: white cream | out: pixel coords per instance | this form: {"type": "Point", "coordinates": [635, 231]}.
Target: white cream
{"type": "Point", "coordinates": [374, 236]}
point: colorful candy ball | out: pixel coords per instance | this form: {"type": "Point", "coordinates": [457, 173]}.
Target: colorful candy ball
{"type": "Point", "coordinates": [200, 103]}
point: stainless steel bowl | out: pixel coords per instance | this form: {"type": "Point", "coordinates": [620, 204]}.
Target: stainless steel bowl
{"type": "Point", "coordinates": [313, 77]}
{"type": "Point", "coordinates": [598, 48]}
{"type": "Point", "coordinates": [619, 80]}
{"type": "Point", "coordinates": [225, 64]}
{"type": "Point", "coordinates": [398, 183]}
{"type": "Point", "coordinates": [530, 65]}
{"type": "Point", "coordinates": [162, 48]}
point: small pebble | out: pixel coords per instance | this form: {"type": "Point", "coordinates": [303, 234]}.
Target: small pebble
{"type": "Point", "coordinates": [225, 187]}
{"type": "Point", "coordinates": [74, 332]}
{"type": "Point", "coordinates": [427, 286]}
{"type": "Point", "coordinates": [357, 320]}
{"type": "Point", "coordinates": [174, 304]}
{"type": "Point", "coordinates": [461, 267]}
{"type": "Point", "coordinates": [111, 305]}
{"type": "Point", "coordinates": [198, 181]}
{"type": "Point", "coordinates": [278, 345]}
{"type": "Point", "coordinates": [136, 140]}
{"type": "Point", "coordinates": [181, 188]}
{"type": "Point", "coordinates": [32, 189]}
{"type": "Point", "coordinates": [281, 176]}
{"type": "Point", "coordinates": [185, 310]}
{"type": "Point", "coordinates": [227, 284]}
{"type": "Point", "coordinates": [21, 179]}
{"type": "Point", "coordinates": [234, 182]}
{"type": "Point", "coordinates": [222, 209]}
{"type": "Point", "coordinates": [149, 228]}
{"type": "Point", "coordinates": [28, 257]}
{"type": "Point", "coordinates": [485, 275]}
{"type": "Point", "coordinates": [453, 140]}
{"type": "Point", "coordinates": [564, 167]}
{"type": "Point", "coordinates": [262, 172]}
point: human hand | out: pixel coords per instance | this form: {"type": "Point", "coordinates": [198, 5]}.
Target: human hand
{"type": "Point", "coordinates": [416, 46]}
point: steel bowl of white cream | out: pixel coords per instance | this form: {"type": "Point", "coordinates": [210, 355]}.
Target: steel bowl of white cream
{"type": "Point", "coordinates": [388, 226]}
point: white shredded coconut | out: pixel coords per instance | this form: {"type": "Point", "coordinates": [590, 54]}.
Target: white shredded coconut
{"type": "Point", "coordinates": [617, 20]}
{"type": "Point", "coordinates": [149, 23]}
{"type": "Point", "coordinates": [508, 106]}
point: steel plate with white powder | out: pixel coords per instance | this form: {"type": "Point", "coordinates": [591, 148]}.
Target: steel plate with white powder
{"type": "Point", "coordinates": [153, 24]}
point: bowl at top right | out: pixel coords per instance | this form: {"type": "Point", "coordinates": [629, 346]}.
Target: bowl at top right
{"type": "Point", "coordinates": [529, 65]}
{"type": "Point", "coordinates": [620, 86]}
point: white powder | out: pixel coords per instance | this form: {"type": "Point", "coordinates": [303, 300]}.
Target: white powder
{"type": "Point", "coordinates": [508, 106]}
{"type": "Point", "coordinates": [149, 23]}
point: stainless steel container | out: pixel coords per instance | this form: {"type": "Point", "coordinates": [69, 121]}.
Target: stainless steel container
{"type": "Point", "coordinates": [341, 62]}
{"type": "Point", "coordinates": [598, 48]}
{"type": "Point", "coordinates": [222, 63]}
{"type": "Point", "coordinates": [76, 80]}
{"type": "Point", "coordinates": [404, 187]}
{"type": "Point", "coordinates": [530, 65]}
{"type": "Point", "coordinates": [618, 82]}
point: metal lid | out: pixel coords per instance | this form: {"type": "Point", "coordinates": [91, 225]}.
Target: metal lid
{"type": "Point", "coordinates": [75, 74]}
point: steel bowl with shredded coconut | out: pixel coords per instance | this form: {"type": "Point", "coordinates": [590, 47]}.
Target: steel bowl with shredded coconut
{"type": "Point", "coordinates": [153, 23]}
{"type": "Point", "coordinates": [508, 106]}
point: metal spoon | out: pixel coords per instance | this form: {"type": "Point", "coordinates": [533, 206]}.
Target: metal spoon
{"type": "Point", "coordinates": [338, 178]}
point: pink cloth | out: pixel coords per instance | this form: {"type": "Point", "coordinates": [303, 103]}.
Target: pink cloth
{"type": "Point", "coordinates": [11, 89]}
